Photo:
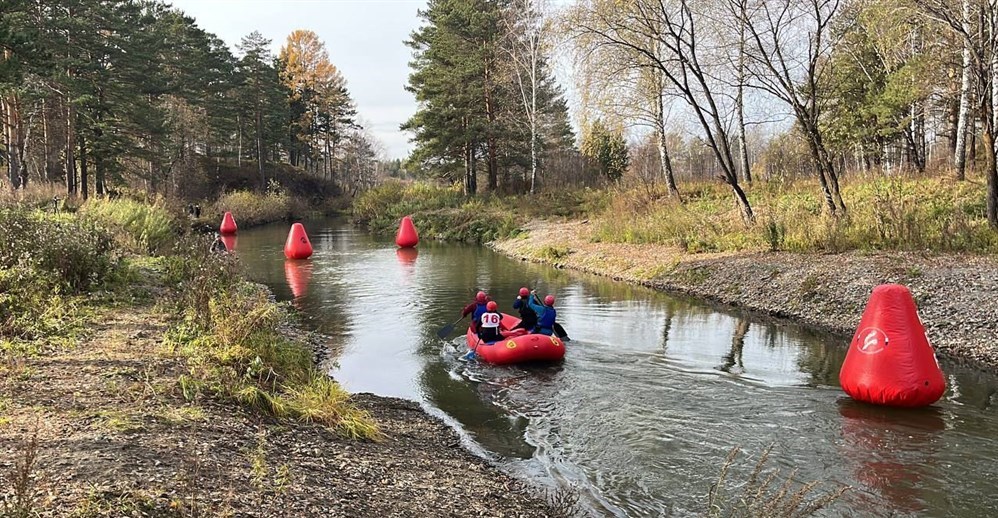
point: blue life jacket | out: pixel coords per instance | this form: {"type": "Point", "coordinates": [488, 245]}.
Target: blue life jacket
{"type": "Point", "coordinates": [537, 306]}
{"type": "Point", "coordinates": [545, 324]}
{"type": "Point", "coordinates": [476, 317]}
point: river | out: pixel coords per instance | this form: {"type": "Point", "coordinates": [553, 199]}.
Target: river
{"type": "Point", "coordinates": [654, 392]}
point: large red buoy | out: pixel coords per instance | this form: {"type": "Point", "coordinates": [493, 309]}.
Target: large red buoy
{"type": "Point", "coordinates": [406, 235]}
{"type": "Point", "coordinates": [890, 361]}
{"type": "Point", "coordinates": [228, 225]}
{"type": "Point", "coordinates": [298, 274]}
{"type": "Point", "coordinates": [297, 246]}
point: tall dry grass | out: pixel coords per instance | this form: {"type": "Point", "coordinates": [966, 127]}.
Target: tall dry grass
{"type": "Point", "coordinates": [883, 214]}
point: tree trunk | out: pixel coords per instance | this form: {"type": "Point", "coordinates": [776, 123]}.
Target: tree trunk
{"type": "Point", "coordinates": [49, 170]}
{"type": "Point", "coordinates": [98, 135]}
{"type": "Point", "coordinates": [991, 122]}
{"type": "Point", "coordinates": [5, 136]}
{"type": "Point", "coordinates": [83, 165]}
{"type": "Point", "coordinates": [663, 151]}
{"type": "Point", "coordinates": [469, 170]}
{"type": "Point", "coordinates": [70, 165]}
{"type": "Point", "coordinates": [740, 100]}
{"type": "Point", "coordinates": [666, 162]}
{"type": "Point", "coordinates": [259, 148]}
{"type": "Point", "coordinates": [747, 215]}
{"type": "Point", "coordinates": [14, 137]}
{"type": "Point", "coordinates": [490, 139]}
{"type": "Point", "coordinates": [533, 119]}
{"type": "Point", "coordinates": [823, 179]}
{"type": "Point", "coordinates": [239, 146]}
{"type": "Point", "coordinates": [963, 115]}
{"type": "Point", "coordinates": [992, 174]}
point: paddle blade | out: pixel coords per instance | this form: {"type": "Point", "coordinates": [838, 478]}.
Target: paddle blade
{"type": "Point", "coordinates": [445, 331]}
{"type": "Point", "coordinates": [560, 331]}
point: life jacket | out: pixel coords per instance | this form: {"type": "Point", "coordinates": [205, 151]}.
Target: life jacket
{"type": "Point", "coordinates": [545, 324]}
{"type": "Point", "coordinates": [528, 316]}
{"type": "Point", "coordinates": [480, 310]}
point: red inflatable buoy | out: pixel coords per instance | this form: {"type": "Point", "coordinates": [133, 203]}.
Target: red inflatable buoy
{"type": "Point", "coordinates": [890, 361]}
{"type": "Point", "coordinates": [298, 274]}
{"type": "Point", "coordinates": [297, 246]}
{"type": "Point", "coordinates": [228, 225]}
{"type": "Point", "coordinates": [406, 236]}
{"type": "Point", "coordinates": [230, 241]}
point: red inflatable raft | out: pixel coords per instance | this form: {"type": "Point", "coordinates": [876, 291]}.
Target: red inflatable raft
{"type": "Point", "coordinates": [517, 349]}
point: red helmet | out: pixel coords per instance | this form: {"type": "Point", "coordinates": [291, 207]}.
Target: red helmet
{"type": "Point", "coordinates": [524, 292]}
{"type": "Point", "coordinates": [549, 300]}
{"type": "Point", "coordinates": [492, 306]}
{"type": "Point", "coordinates": [481, 297]}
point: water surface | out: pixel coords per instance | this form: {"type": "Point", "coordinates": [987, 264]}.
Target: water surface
{"type": "Point", "coordinates": [654, 391]}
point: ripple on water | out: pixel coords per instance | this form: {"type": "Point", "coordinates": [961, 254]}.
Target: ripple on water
{"type": "Point", "coordinates": [654, 391]}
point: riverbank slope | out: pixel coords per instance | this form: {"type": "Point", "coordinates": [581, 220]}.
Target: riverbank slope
{"type": "Point", "coordinates": [136, 383]}
{"type": "Point", "coordinates": [955, 293]}
{"type": "Point", "coordinates": [108, 428]}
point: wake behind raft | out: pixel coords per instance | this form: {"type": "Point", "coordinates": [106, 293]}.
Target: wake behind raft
{"type": "Point", "coordinates": [518, 349]}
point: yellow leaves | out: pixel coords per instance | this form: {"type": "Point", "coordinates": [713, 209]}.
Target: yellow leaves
{"type": "Point", "coordinates": [306, 63]}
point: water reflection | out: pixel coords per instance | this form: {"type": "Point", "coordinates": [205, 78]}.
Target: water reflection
{"type": "Point", "coordinates": [732, 362]}
{"type": "Point", "coordinates": [407, 256]}
{"type": "Point", "coordinates": [230, 240]}
{"type": "Point", "coordinates": [298, 273]}
{"type": "Point", "coordinates": [891, 450]}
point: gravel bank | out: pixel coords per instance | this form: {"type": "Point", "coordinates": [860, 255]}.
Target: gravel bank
{"type": "Point", "coordinates": [957, 295]}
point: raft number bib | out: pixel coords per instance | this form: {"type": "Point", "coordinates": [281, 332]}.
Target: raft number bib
{"type": "Point", "coordinates": [491, 320]}
{"type": "Point", "coordinates": [871, 341]}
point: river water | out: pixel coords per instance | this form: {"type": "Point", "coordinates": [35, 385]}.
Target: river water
{"type": "Point", "coordinates": [654, 392]}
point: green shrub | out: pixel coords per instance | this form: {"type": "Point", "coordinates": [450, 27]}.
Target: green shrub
{"type": "Point", "coordinates": [141, 227]}
{"type": "Point", "coordinates": [438, 212]}
{"type": "Point", "coordinates": [46, 262]}
{"type": "Point", "coordinates": [75, 255]}
{"type": "Point", "coordinates": [251, 208]}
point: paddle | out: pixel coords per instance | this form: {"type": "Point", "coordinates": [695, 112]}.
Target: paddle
{"type": "Point", "coordinates": [449, 328]}
{"type": "Point", "coordinates": [470, 355]}
{"type": "Point", "coordinates": [560, 331]}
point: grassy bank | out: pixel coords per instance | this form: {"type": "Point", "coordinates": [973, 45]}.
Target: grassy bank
{"type": "Point", "coordinates": [59, 270]}
{"type": "Point", "coordinates": [883, 214]}
{"type": "Point", "coordinates": [252, 208]}
{"type": "Point", "coordinates": [897, 213]}
{"type": "Point", "coordinates": [445, 213]}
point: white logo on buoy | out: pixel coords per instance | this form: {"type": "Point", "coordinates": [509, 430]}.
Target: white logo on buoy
{"type": "Point", "coordinates": [873, 341]}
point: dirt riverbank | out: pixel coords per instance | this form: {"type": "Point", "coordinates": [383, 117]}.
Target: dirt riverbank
{"type": "Point", "coordinates": [957, 295]}
{"type": "Point", "coordinates": [110, 430]}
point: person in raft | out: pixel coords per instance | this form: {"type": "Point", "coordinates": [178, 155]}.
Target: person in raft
{"type": "Point", "coordinates": [546, 314]}
{"type": "Point", "coordinates": [528, 317]}
{"type": "Point", "coordinates": [476, 309]}
{"type": "Point", "coordinates": [490, 324]}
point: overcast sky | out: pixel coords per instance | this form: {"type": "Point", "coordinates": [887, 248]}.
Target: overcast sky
{"type": "Point", "coordinates": [364, 39]}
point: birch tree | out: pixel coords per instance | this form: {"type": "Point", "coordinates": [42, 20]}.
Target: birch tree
{"type": "Point", "coordinates": [963, 115]}
{"type": "Point", "coordinates": [982, 43]}
{"type": "Point", "coordinates": [528, 35]}
{"type": "Point", "coordinates": [789, 42]}
{"type": "Point", "coordinates": [675, 40]}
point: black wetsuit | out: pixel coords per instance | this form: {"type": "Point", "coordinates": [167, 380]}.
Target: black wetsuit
{"type": "Point", "coordinates": [528, 317]}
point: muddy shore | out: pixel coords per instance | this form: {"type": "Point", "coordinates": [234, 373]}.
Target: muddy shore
{"type": "Point", "coordinates": [957, 295]}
